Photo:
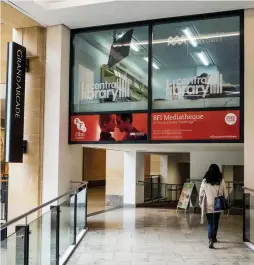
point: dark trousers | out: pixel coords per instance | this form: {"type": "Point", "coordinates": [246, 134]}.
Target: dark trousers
{"type": "Point", "coordinates": [213, 224]}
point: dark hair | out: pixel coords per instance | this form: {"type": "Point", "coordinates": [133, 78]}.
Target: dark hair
{"type": "Point", "coordinates": [104, 118]}
{"type": "Point", "coordinates": [124, 117]}
{"type": "Point", "coordinates": [213, 176]}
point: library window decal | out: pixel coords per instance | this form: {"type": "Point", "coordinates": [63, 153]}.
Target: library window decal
{"type": "Point", "coordinates": [111, 70]}
{"type": "Point", "coordinates": [199, 64]}
{"type": "Point", "coordinates": [195, 83]}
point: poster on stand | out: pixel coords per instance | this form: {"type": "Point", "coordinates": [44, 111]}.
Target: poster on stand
{"type": "Point", "coordinates": [185, 196]}
{"type": "Point", "coordinates": [196, 125]}
{"type": "Point", "coordinates": [109, 128]}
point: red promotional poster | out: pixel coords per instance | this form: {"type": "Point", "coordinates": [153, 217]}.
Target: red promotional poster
{"type": "Point", "coordinates": [196, 125]}
{"type": "Point", "coordinates": [109, 127]}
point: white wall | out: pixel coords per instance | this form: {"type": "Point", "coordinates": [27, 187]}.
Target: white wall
{"type": "Point", "coordinates": [228, 173]}
{"type": "Point", "coordinates": [133, 172]}
{"type": "Point", "coordinates": [201, 160]}
{"type": "Point", "coordinates": [164, 168]}
{"type": "Point", "coordinates": [173, 171]}
{"type": "Point", "coordinates": [62, 162]}
{"type": "Point", "coordinates": [140, 172]}
{"type": "Point", "coordinates": [169, 167]}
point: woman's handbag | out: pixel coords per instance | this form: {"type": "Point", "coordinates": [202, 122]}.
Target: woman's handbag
{"type": "Point", "coordinates": [220, 203]}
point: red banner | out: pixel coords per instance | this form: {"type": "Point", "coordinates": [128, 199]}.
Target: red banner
{"type": "Point", "coordinates": [109, 127]}
{"type": "Point", "coordinates": [196, 125]}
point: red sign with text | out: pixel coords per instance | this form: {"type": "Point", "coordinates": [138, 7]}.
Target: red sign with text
{"type": "Point", "coordinates": [196, 125]}
{"type": "Point", "coordinates": [109, 127]}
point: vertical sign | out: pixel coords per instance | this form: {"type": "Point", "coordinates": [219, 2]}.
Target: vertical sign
{"type": "Point", "coordinates": [15, 95]}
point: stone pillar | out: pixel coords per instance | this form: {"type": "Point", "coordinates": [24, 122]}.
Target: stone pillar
{"type": "Point", "coordinates": [164, 168]}
{"type": "Point", "coordinates": [114, 178]}
{"type": "Point", "coordinates": [147, 162]}
{"type": "Point", "coordinates": [25, 178]}
{"type": "Point", "coordinates": [201, 160]}
{"type": "Point", "coordinates": [248, 99]}
{"type": "Point", "coordinates": [133, 172]}
{"type": "Point", "coordinates": [61, 162]}
{"type": "Point", "coordinates": [248, 110]}
{"type": "Point", "coordinates": [154, 164]}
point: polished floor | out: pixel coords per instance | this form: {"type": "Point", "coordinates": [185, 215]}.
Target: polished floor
{"type": "Point", "coordinates": [137, 236]}
{"type": "Point", "coordinates": [96, 200]}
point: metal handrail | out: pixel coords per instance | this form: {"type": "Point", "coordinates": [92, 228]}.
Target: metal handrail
{"type": "Point", "coordinates": [161, 183]}
{"type": "Point", "coordinates": [78, 181]}
{"type": "Point", "coordinates": [226, 181]}
{"type": "Point", "coordinates": [14, 220]}
{"type": "Point", "coordinates": [245, 188]}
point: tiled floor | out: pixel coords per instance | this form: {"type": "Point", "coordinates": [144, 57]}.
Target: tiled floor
{"type": "Point", "coordinates": [96, 200]}
{"type": "Point", "coordinates": [139, 236]}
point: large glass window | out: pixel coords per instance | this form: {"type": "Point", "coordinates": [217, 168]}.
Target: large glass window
{"type": "Point", "coordinates": [196, 64]}
{"type": "Point", "coordinates": [110, 71]}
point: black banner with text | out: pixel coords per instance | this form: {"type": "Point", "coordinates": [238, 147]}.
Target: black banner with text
{"type": "Point", "coordinates": [15, 95]}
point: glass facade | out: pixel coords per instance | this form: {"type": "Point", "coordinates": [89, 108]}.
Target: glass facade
{"type": "Point", "coordinates": [169, 70]}
{"type": "Point", "coordinates": [110, 73]}
{"type": "Point", "coordinates": [199, 64]}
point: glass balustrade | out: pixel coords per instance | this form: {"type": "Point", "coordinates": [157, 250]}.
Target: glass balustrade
{"type": "Point", "coordinates": [46, 236]}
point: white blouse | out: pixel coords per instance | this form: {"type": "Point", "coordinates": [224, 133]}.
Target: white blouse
{"type": "Point", "coordinates": [211, 192]}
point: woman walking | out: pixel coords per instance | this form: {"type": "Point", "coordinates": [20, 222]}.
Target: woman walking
{"type": "Point", "coordinates": [213, 185]}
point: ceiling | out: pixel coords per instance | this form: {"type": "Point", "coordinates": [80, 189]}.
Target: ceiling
{"type": "Point", "coordinates": [80, 13]}
{"type": "Point", "coordinates": [169, 148]}
{"type": "Point", "coordinates": [14, 18]}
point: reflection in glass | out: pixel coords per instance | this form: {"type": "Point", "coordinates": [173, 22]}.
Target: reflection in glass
{"type": "Point", "coordinates": [81, 210]}
{"type": "Point", "coordinates": [66, 226]}
{"type": "Point", "coordinates": [249, 218]}
{"type": "Point", "coordinates": [110, 70]}
{"type": "Point", "coordinates": [12, 249]}
{"type": "Point", "coordinates": [40, 240]}
{"type": "Point", "coordinates": [199, 64]}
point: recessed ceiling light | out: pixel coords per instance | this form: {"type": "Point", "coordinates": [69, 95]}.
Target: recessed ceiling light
{"type": "Point", "coordinates": [155, 66]}
{"type": "Point", "coordinates": [190, 37]}
{"type": "Point", "coordinates": [203, 58]}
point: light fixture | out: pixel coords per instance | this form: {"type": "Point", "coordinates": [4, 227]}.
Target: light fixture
{"type": "Point", "coordinates": [190, 36]}
{"type": "Point", "coordinates": [202, 57]}
{"type": "Point", "coordinates": [201, 37]}
{"type": "Point", "coordinates": [155, 66]}
{"type": "Point", "coordinates": [134, 47]}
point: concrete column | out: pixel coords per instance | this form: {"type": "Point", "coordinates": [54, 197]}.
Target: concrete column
{"type": "Point", "coordinates": [154, 164]}
{"type": "Point", "coordinates": [25, 178]}
{"type": "Point", "coordinates": [133, 172]}
{"type": "Point", "coordinates": [61, 162]}
{"type": "Point", "coordinates": [114, 178]}
{"type": "Point", "coordinates": [248, 99]}
{"type": "Point", "coordinates": [248, 109]}
{"type": "Point", "coordinates": [164, 168]}
{"type": "Point", "coordinates": [147, 164]}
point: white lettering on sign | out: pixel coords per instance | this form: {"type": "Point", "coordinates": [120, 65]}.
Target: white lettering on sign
{"type": "Point", "coordinates": [114, 90]}
{"type": "Point", "coordinates": [18, 85]}
{"type": "Point", "coordinates": [177, 117]}
{"type": "Point", "coordinates": [192, 86]}
{"type": "Point", "coordinates": [230, 119]}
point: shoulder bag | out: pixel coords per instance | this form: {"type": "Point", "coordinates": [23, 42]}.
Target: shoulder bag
{"type": "Point", "coordinates": [220, 202]}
